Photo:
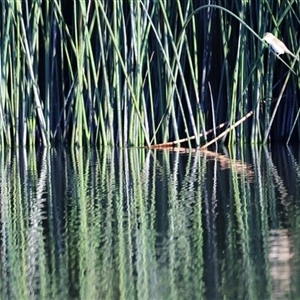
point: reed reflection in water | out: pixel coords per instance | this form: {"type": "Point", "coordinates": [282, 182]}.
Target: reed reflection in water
{"type": "Point", "coordinates": [140, 224]}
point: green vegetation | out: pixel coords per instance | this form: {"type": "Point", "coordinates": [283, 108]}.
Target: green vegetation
{"type": "Point", "coordinates": [140, 73]}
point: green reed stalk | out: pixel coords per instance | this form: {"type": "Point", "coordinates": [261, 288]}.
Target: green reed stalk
{"type": "Point", "coordinates": [226, 31]}
{"type": "Point", "coordinates": [164, 48]}
{"type": "Point", "coordinates": [117, 76]}
{"type": "Point", "coordinates": [256, 90]}
{"type": "Point", "coordinates": [48, 72]}
{"type": "Point", "coordinates": [179, 69]}
{"type": "Point", "coordinates": [233, 101]}
{"type": "Point", "coordinates": [103, 91]}
{"type": "Point", "coordinates": [193, 67]}
{"type": "Point", "coordinates": [120, 62]}
{"type": "Point", "coordinates": [206, 65]}
{"type": "Point", "coordinates": [6, 61]}
{"type": "Point", "coordinates": [29, 45]}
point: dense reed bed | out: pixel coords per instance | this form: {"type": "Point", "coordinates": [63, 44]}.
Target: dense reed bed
{"type": "Point", "coordinates": [136, 73]}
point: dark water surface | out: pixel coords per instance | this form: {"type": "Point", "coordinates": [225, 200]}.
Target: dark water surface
{"type": "Point", "coordinates": [139, 224]}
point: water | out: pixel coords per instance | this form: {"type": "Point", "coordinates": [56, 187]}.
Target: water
{"type": "Point", "coordinates": [139, 224]}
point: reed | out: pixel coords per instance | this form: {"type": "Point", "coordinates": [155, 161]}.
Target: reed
{"type": "Point", "coordinates": [127, 73]}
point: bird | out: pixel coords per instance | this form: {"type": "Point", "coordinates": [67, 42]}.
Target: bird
{"type": "Point", "coordinates": [278, 46]}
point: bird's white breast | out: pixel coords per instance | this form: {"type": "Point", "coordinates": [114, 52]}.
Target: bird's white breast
{"type": "Point", "coordinates": [277, 48]}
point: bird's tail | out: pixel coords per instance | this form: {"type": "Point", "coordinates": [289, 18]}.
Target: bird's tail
{"type": "Point", "coordinates": [292, 54]}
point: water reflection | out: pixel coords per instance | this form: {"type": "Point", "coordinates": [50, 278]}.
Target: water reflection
{"type": "Point", "coordinates": [280, 254]}
{"type": "Point", "coordinates": [139, 224]}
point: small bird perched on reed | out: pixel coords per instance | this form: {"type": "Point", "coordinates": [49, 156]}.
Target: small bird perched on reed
{"type": "Point", "coordinates": [278, 46]}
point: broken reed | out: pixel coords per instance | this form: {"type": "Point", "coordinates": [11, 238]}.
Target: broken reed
{"type": "Point", "coordinates": [135, 73]}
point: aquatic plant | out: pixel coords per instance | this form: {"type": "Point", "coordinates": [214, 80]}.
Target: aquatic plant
{"type": "Point", "coordinates": [141, 73]}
